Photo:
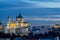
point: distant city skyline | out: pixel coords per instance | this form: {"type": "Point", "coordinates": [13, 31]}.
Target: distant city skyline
{"type": "Point", "coordinates": [33, 11]}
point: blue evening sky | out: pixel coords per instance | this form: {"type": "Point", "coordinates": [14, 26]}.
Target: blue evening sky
{"type": "Point", "coordinates": [36, 12]}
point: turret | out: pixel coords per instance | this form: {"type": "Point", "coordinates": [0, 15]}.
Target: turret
{"type": "Point", "coordinates": [8, 19]}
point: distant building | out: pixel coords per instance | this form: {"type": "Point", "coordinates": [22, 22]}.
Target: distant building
{"type": "Point", "coordinates": [56, 26]}
{"type": "Point", "coordinates": [40, 29]}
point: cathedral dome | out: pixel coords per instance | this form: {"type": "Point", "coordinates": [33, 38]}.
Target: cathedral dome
{"type": "Point", "coordinates": [19, 16]}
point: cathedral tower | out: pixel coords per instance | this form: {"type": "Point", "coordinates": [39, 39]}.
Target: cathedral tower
{"type": "Point", "coordinates": [8, 19]}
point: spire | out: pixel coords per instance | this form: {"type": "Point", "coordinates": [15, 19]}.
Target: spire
{"type": "Point", "coordinates": [19, 16]}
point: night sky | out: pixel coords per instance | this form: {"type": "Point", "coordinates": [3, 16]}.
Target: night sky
{"type": "Point", "coordinates": [36, 12]}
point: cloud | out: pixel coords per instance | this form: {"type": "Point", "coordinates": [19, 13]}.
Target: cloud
{"type": "Point", "coordinates": [21, 4]}
{"type": "Point", "coordinates": [44, 4]}
{"type": "Point", "coordinates": [57, 0]}
{"type": "Point", "coordinates": [15, 8]}
{"type": "Point", "coordinates": [44, 18]}
{"type": "Point", "coordinates": [52, 16]}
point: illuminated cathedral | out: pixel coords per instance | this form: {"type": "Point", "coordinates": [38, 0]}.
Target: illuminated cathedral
{"type": "Point", "coordinates": [18, 26]}
{"type": "Point", "coordinates": [19, 23]}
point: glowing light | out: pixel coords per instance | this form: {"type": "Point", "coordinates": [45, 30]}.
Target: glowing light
{"type": "Point", "coordinates": [24, 24]}
{"type": "Point", "coordinates": [12, 25]}
{"type": "Point", "coordinates": [56, 26]}
{"type": "Point", "coordinates": [18, 18]}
